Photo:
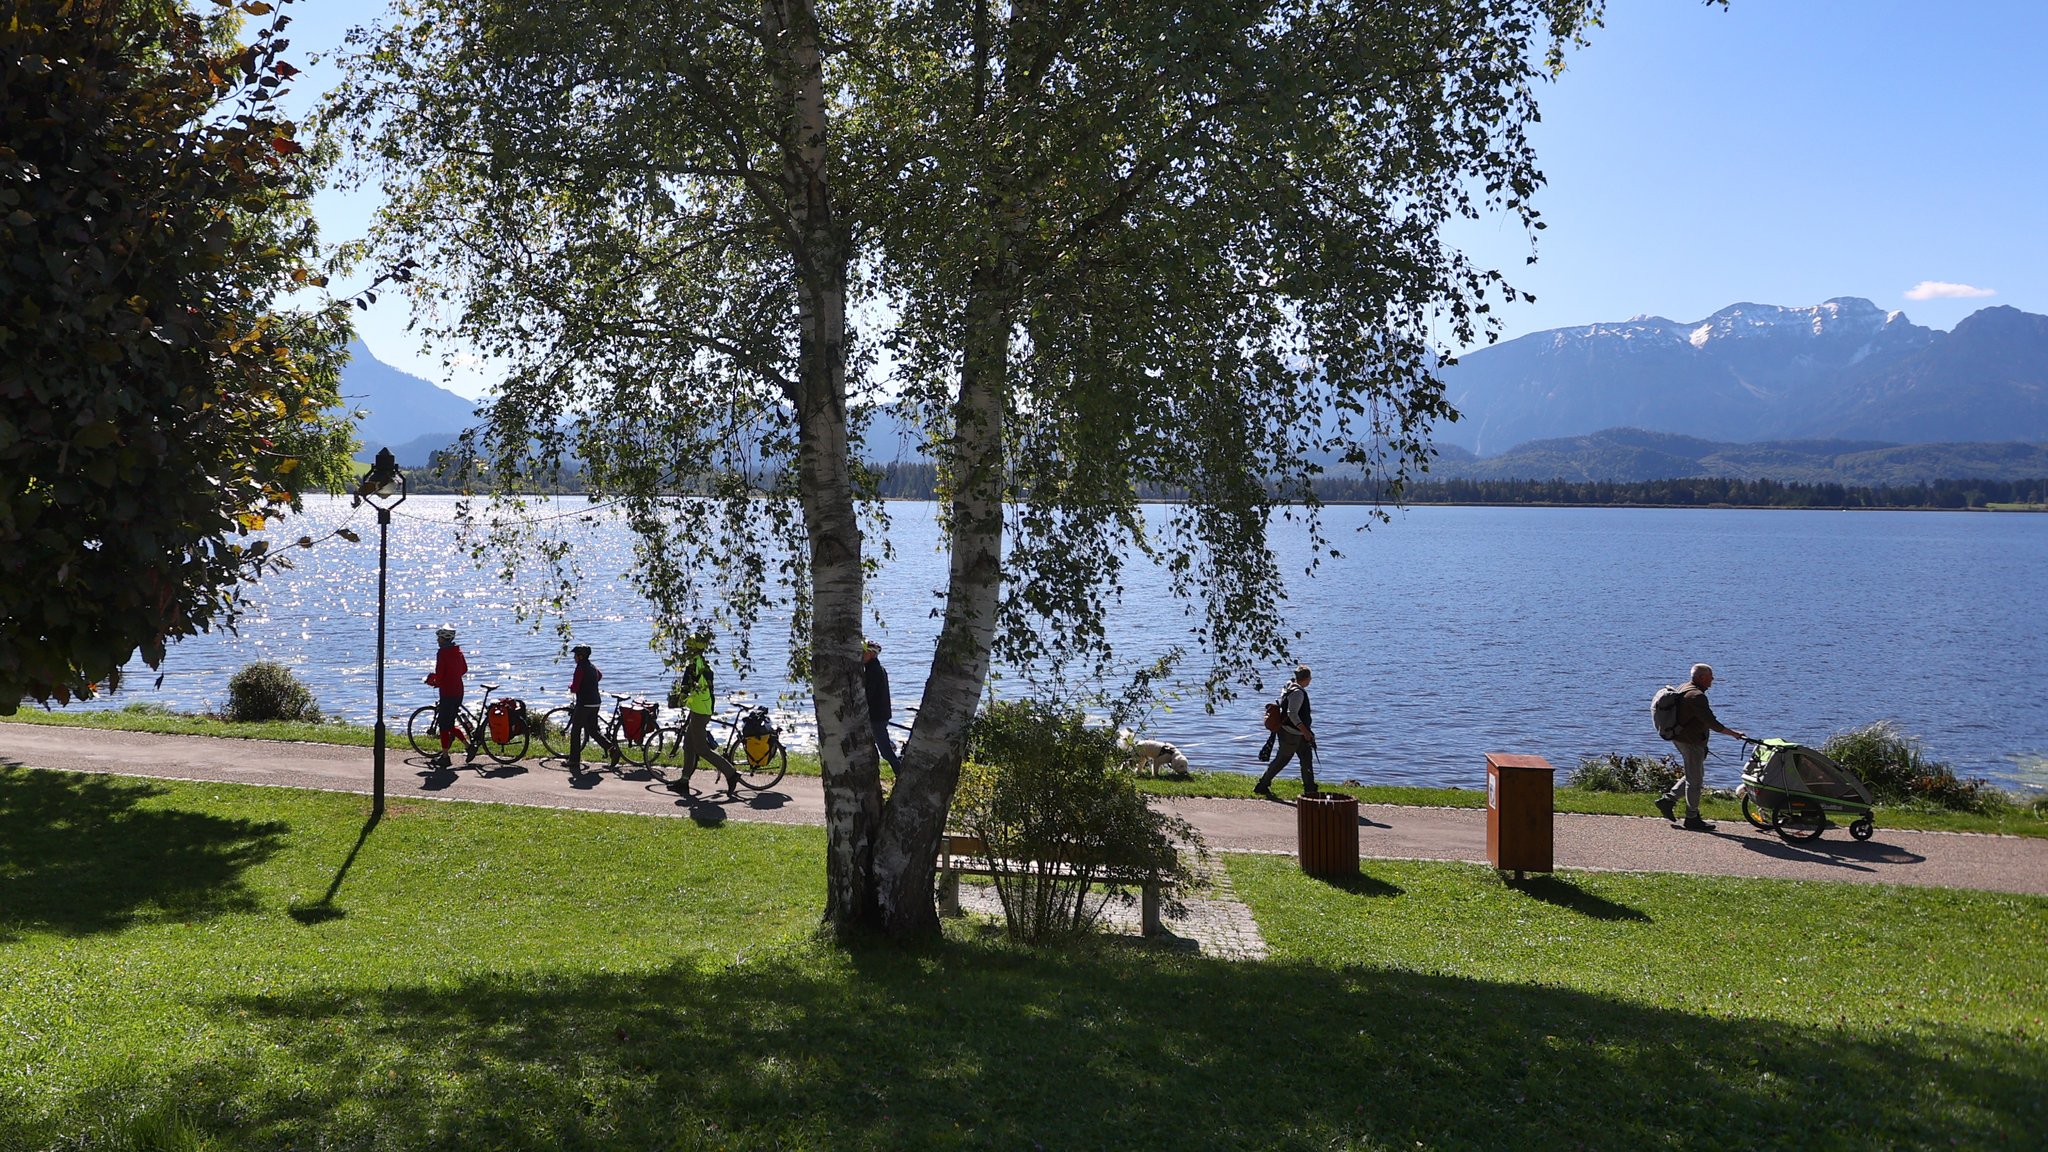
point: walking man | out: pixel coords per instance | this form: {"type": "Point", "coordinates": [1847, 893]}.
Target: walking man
{"type": "Point", "coordinates": [875, 679]}
{"type": "Point", "coordinates": [1297, 739]}
{"type": "Point", "coordinates": [1695, 718]}
{"type": "Point", "coordinates": [449, 669]}
{"type": "Point", "coordinates": [586, 711]}
{"type": "Point", "coordinates": [696, 686]}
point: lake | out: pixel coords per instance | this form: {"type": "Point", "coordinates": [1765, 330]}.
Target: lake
{"type": "Point", "coordinates": [1439, 637]}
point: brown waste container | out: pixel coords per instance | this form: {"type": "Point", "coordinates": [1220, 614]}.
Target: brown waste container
{"type": "Point", "coordinates": [1518, 812]}
{"type": "Point", "coordinates": [1326, 834]}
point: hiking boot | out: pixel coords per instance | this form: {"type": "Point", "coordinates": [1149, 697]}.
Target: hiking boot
{"type": "Point", "coordinates": [1695, 824]}
{"type": "Point", "coordinates": [1668, 807]}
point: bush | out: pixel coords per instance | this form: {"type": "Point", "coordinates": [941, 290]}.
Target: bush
{"type": "Point", "coordinates": [1063, 819]}
{"type": "Point", "coordinates": [1613, 773]}
{"type": "Point", "coordinates": [1891, 764]}
{"type": "Point", "coordinates": [267, 690]}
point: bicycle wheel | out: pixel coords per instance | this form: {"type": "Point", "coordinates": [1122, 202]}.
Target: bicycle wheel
{"type": "Point", "coordinates": [663, 748]}
{"type": "Point", "coordinates": [642, 752]}
{"type": "Point", "coordinates": [508, 752]}
{"type": "Point", "coordinates": [554, 731]}
{"type": "Point", "coordinates": [422, 732]}
{"type": "Point", "coordinates": [760, 768]}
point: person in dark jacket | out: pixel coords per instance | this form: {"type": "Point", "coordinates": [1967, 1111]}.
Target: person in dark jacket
{"type": "Point", "coordinates": [587, 710]}
{"type": "Point", "coordinates": [450, 666]}
{"type": "Point", "coordinates": [1297, 739]}
{"type": "Point", "coordinates": [875, 679]}
{"type": "Point", "coordinates": [1695, 718]}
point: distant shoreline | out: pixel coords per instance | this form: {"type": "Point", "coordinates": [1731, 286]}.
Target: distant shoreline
{"type": "Point", "coordinates": [1349, 503]}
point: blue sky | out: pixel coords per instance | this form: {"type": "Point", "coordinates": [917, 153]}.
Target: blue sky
{"type": "Point", "coordinates": [1778, 152]}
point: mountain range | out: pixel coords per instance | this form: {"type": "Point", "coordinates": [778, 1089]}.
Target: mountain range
{"type": "Point", "coordinates": [1845, 369]}
{"type": "Point", "coordinates": [1633, 454]}
{"type": "Point", "coordinates": [411, 416]}
{"type": "Point", "coordinates": [1842, 392]}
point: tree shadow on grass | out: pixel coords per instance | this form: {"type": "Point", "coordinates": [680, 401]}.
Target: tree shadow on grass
{"type": "Point", "coordinates": [977, 1045]}
{"type": "Point", "coordinates": [79, 853]}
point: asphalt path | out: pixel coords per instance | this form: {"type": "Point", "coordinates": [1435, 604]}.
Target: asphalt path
{"type": "Point", "coordinates": [1609, 843]}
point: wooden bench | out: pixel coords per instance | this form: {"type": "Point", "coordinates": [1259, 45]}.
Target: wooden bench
{"type": "Point", "coordinates": [964, 855]}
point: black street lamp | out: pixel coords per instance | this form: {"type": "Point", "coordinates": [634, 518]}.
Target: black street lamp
{"type": "Point", "coordinates": [384, 489]}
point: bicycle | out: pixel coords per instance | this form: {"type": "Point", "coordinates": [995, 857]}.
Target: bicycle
{"type": "Point", "coordinates": [498, 730]}
{"type": "Point", "coordinates": [634, 730]}
{"type": "Point", "coordinates": [753, 746]}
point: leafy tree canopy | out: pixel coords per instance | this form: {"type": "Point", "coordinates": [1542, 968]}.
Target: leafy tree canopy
{"type": "Point", "coordinates": [1194, 245]}
{"type": "Point", "coordinates": [156, 405]}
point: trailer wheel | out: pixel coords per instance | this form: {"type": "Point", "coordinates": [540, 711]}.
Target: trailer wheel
{"type": "Point", "coordinates": [1863, 829]}
{"type": "Point", "coordinates": [1801, 823]}
{"type": "Point", "coordinates": [1756, 814]}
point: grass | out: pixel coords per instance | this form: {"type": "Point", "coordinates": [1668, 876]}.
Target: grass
{"type": "Point", "coordinates": [2017, 821]}
{"type": "Point", "coordinates": [211, 967]}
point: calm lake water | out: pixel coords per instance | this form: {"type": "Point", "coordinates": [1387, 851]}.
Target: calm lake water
{"type": "Point", "coordinates": [1449, 633]}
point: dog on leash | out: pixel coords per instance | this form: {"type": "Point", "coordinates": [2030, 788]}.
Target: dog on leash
{"type": "Point", "coordinates": [1158, 758]}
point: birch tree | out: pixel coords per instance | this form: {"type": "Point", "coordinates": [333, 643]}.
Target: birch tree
{"type": "Point", "coordinates": [1187, 244]}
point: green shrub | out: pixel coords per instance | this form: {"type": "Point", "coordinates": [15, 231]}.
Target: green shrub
{"type": "Point", "coordinates": [267, 690]}
{"type": "Point", "coordinates": [1611, 773]}
{"type": "Point", "coordinates": [1063, 819]}
{"type": "Point", "coordinates": [1891, 764]}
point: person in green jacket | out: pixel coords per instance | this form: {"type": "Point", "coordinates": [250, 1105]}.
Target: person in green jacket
{"type": "Point", "coordinates": [695, 688]}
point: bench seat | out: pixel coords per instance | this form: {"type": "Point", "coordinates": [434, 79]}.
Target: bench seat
{"type": "Point", "coordinates": [964, 855]}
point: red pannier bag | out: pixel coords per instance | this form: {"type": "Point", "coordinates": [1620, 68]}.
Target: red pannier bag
{"type": "Point", "coordinates": [500, 721]}
{"type": "Point", "coordinates": [637, 720]}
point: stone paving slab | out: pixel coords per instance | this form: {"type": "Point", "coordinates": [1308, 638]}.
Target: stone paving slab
{"type": "Point", "coordinates": [1611, 843]}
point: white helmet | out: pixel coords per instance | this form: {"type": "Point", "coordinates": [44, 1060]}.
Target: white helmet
{"type": "Point", "coordinates": [444, 633]}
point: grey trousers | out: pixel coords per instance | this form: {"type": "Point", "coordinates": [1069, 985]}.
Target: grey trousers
{"type": "Point", "coordinates": [1291, 746]}
{"type": "Point", "coordinates": [1695, 757]}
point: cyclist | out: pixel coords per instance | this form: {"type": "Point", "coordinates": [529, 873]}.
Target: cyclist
{"type": "Point", "coordinates": [695, 687]}
{"type": "Point", "coordinates": [583, 721]}
{"type": "Point", "coordinates": [449, 669]}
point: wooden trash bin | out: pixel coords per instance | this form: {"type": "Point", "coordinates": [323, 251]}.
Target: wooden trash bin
{"type": "Point", "coordinates": [1519, 807]}
{"type": "Point", "coordinates": [1326, 834]}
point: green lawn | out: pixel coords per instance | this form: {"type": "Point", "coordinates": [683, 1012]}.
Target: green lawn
{"type": "Point", "coordinates": [216, 967]}
{"type": "Point", "coordinates": [2017, 821]}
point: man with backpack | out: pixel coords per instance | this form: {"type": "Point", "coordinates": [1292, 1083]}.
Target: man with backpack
{"type": "Point", "coordinates": [1295, 739]}
{"type": "Point", "coordinates": [1688, 730]}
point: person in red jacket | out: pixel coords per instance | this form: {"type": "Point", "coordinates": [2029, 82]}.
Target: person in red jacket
{"type": "Point", "coordinates": [449, 669]}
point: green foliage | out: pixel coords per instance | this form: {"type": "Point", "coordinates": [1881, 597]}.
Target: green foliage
{"type": "Point", "coordinates": [267, 690]}
{"type": "Point", "coordinates": [1062, 817]}
{"type": "Point", "coordinates": [1892, 765]}
{"type": "Point", "coordinates": [1622, 773]}
{"type": "Point", "coordinates": [156, 408]}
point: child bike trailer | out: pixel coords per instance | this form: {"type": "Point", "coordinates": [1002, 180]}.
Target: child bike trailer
{"type": "Point", "coordinates": [1789, 789]}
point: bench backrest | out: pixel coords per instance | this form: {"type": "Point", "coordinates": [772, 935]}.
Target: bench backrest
{"type": "Point", "coordinates": [966, 845]}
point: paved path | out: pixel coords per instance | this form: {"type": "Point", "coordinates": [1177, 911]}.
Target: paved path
{"type": "Point", "coordinates": [1646, 844]}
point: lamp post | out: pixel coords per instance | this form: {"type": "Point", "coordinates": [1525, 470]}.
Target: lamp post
{"type": "Point", "coordinates": [384, 489]}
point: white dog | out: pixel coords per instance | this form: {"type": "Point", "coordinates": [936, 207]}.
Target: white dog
{"type": "Point", "coordinates": [1158, 758]}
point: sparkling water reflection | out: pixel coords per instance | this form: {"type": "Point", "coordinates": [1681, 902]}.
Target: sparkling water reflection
{"type": "Point", "coordinates": [1447, 634]}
